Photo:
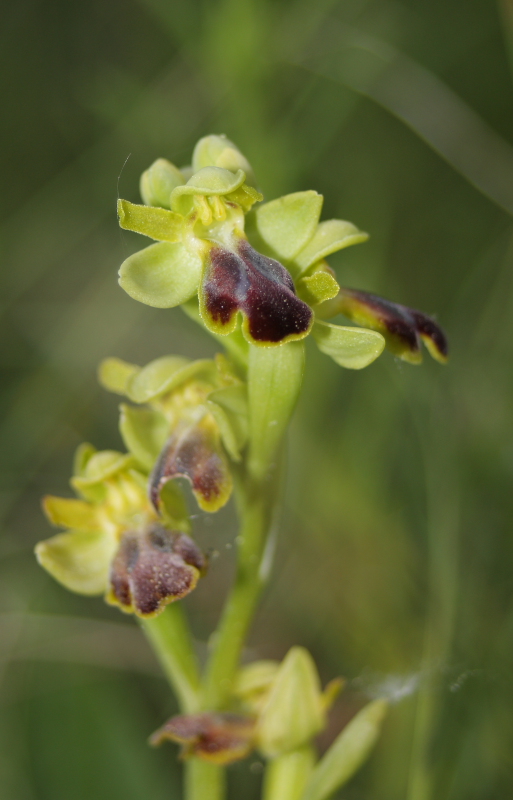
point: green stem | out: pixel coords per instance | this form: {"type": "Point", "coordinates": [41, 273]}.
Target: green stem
{"type": "Point", "coordinates": [171, 640]}
{"type": "Point", "coordinates": [287, 775]}
{"type": "Point", "coordinates": [256, 509]}
{"type": "Point", "coordinates": [204, 781]}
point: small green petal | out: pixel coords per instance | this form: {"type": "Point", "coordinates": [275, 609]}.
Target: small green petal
{"type": "Point", "coordinates": [148, 381]}
{"type": "Point", "coordinates": [218, 151]}
{"type": "Point", "coordinates": [70, 513]}
{"type": "Point", "coordinates": [82, 455]}
{"type": "Point", "coordinates": [80, 560]}
{"type": "Point", "coordinates": [330, 236]}
{"type": "Point", "coordinates": [157, 223]}
{"type": "Point", "coordinates": [158, 181]}
{"type": "Point", "coordinates": [208, 181]}
{"type": "Point", "coordinates": [287, 224]}
{"type": "Point", "coordinates": [114, 374]}
{"type": "Point", "coordinates": [162, 275]}
{"type": "Point", "coordinates": [347, 753]}
{"type": "Point", "coordinates": [99, 467]}
{"type": "Point", "coordinates": [353, 348]}
{"type": "Point", "coordinates": [164, 375]}
{"type": "Point", "coordinates": [144, 433]}
{"type": "Point", "coordinates": [317, 288]}
{"type": "Point", "coordinates": [229, 407]}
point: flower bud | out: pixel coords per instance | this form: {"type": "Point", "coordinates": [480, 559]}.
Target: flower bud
{"type": "Point", "coordinates": [158, 181]}
{"type": "Point", "coordinates": [295, 710]}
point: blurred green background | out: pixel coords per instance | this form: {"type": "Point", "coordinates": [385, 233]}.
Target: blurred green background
{"type": "Point", "coordinates": [394, 563]}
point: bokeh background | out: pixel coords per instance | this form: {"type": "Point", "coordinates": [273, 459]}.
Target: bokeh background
{"type": "Point", "coordinates": [395, 560]}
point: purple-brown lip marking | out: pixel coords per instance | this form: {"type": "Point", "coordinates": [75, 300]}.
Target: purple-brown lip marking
{"type": "Point", "coordinates": [407, 325]}
{"type": "Point", "coordinates": [152, 568]}
{"type": "Point", "coordinates": [195, 454]}
{"type": "Point", "coordinates": [258, 286]}
{"type": "Point", "coordinates": [218, 737]}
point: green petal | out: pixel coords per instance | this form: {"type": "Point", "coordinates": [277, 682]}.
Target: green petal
{"type": "Point", "coordinates": [218, 151]}
{"type": "Point", "coordinates": [80, 560]}
{"type": "Point", "coordinates": [144, 432]}
{"type": "Point", "coordinates": [317, 288]}
{"type": "Point", "coordinates": [353, 348]}
{"type": "Point", "coordinates": [70, 513]}
{"type": "Point", "coordinates": [347, 753]}
{"type": "Point", "coordinates": [82, 455]}
{"type": "Point", "coordinates": [208, 181]}
{"type": "Point", "coordinates": [158, 181]}
{"type": "Point", "coordinates": [330, 236]}
{"type": "Point", "coordinates": [114, 374]}
{"type": "Point", "coordinates": [157, 223]}
{"type": "Point", "coordinates": [286, 224]}
{"type": "Point", "coordinates": [164, 375]}
{"type": "Point", "coordinates": [99, 467]}
{"type": "Point", "coordinates": [229, 407]}
{"type": "Point", "coordinates": [162, 275]}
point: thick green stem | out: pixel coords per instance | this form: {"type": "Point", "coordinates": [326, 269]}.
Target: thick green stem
{"type": "Point", "coordinates": [171, 640]}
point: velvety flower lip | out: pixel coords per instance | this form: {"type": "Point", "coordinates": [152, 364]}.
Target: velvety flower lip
{"type": "Point", "coordinates": [403, 328]}
{"type": "Point", "coordinates": [219, 738]}
{"type": "Point", "coordinates": [194, 451]}
{"type": "Point", "coordinates": [153, 568]}
{"type": "Point", "coordinates": [258, 286]}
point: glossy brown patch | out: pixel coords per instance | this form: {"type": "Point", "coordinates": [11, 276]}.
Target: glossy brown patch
{"type": "Point", "coordinates": [194, 452]}
{"type": "Point", "coordinates": [402, 327]}
{"type": "Point", "coordinates": [220, 738]}
{"type": "Point", "coordinates": [258, 286]}
{"type": "Point", "coordinates": [153, 568]}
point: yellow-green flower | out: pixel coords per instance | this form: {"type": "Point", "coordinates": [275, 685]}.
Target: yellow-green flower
{"type": "Point", "coordinates": [116, 543]}
{"type": "Point", "coordinates": [258, 268]}
{"type": "Point", "coordinates": [192, 416]}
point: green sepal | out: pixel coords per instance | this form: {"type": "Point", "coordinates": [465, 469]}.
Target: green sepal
{"type": "Point", "coordinates": [218, 151]}
{"type": "Point", "coordinates": [158, 181]}
{"type": "Point", "coordinates": [71, 513]}
{"type": "Point", "coordinates": [275, 375]}
{"type": "Point", "coordinates": [229, 406]}
{"type": "Point", "coordinates": [163, 275]}
{"type": "Point", "coordinates": [144, 432]}
{"type": "Point", "coordinates": [294, 712]}
{"type": "Point", "coordinates": [173, 507]}
{"type": "Point", "coordinates": [317, 288]}
{"type": "Point", "coordinates": [287, 224]}
{"type": "Point", "coordinates": [353, 348]}
{"type": "Point", "coordinates": [330, 236]}
{"type": "Point", "coordinates": [157, 223]}
{"type": "Point", "coordinates": [347, 753]}
{"type": "Point", "coordinates": [80, 560]}
{"type": "Point", "coordinates": [114, 374]}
